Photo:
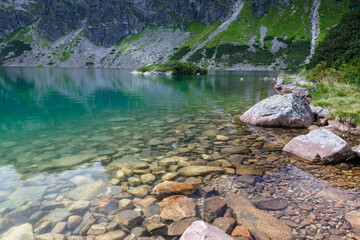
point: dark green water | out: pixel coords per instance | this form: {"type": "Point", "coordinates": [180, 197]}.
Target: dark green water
{"type": "Point", "coordinates": [61, 128]}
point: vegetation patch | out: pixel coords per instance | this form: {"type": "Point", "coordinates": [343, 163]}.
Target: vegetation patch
{"type": "Point", "coordinates": [177, 68]}
{"type": "Point", "coordinates": [180, 53]}
{"type": "Point", "coordinates": [197, 56]}
{"type": "Point", "coordinates": [13, 49]}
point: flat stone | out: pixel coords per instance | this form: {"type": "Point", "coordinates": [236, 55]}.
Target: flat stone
{"type": "Point", "coordinates": [87, 191]}
{"type": "Point", "coordinates": [320, 145]}
{"type": "Point", "coordinates": [225, 224]}
{"type": "Point", "coordinates": [248, 179]}
{"type": "Point", "coordinates": [191, 171]}
{"type": "Point", "coordinates": [234, 150]}
{"type": "Point", "coordinates": [154, 142]}
{"type": "Point", "coordinates": [147, 178]}
{"type": "Point", "coordinates": [154, 225]}
{"type": "Point", "coordinates": [129, 218]}
{"type": "Point", "coordinates": [80, 180]}
{"type": "Point", "coordinates": [178, 228]}
{"type": "Point", "coordinates": [222, 137]}
{"type": "Point", "coordinates": [169, 176]}
{"type": "Point", "coordinates": [353, 218]}
{"type": "Point", "coordinates": [336, 194]}
{"type": "Point", "coordinates": [114, 235]}
{"type": "Point", "coordinates": [73, 222]}
{"type": "Point", "coordinates": [271, 204]}
{"type": "Point", "coordinates": [213, 207]}
{"type": "Point", "coordinates": [59, 228]}
{"type": "Point", "coordinates": [21, 232]}
{"type": "Point", "coordinates": [120, 175]}
{"type": "Point", "coordinates": [108, 204]}
{"type": "Point", "coordinates": [169, 188]}
{"type": "Point", "coordinates": [58, 215]}
{"type": "Point", "coordinates": [207, 191]}
{"type": "Point", "coordinates": [249, 170]}
{"type": "Point", "coordinates": [177, 207]}
{"type": "Point", "coordinates": [34, 193]}
{"type": "Point", "coordinates": [79, 206]}
{"type": "Point", "coordinates": [261, 224]}
{"type": "Point", "coordinates": [288, 110]}
{"type": "Point", "coordinates": [200, 230]}
{"type": "Point", "coordinates": [138, 191]}
{"type": "Point", "coordinates": [96, 229]}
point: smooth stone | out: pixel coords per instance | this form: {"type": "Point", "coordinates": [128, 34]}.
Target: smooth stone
{"type": "Point", "coordinates": [96, 229]}
{"type": "Point", "coordinates": [207, 191]}
{"type": "Point", "coordinates": [134, 181]}
{"type": "Point", "coordinates": [138, 191]}
{"type": "Point", "coordinates": [214, 207]}
{"type": "Point", "coordinates": [125, 203]}
{"type": "Point", "coordinates": [200, 230]}
{"type": "Point", "coordinates": [114, 235]}
{"type": "Point", "coordinates": [178, 228]}
{"type": "Point", "coordinates": [88, 190]}
{"type": "Point", "coordinates": [320, 145]}
{"type": "Point", "coordinates": [169, 188]}
{"type": "Point", "coordinates": [234, 150]}
{"type": "Point", "coordinates": [73, 222]}
{"type": "Point", "coordinates": [248, 170]}
{"type": "Point", "coordinates": [177, 207]}
{"type": "Point", "coordinates": [336, 194]}
{"type": "Point", "coordinates": [191, 171]}
{"type": "Point", "coordinates": [210, 133]}
{"type": "Point", "coordinates": [120, 175]}
{"type": "Point", "coordinates": [248, 179]}
{"type": "Point", "coordinates": [353, 218]}
{"type": "Point", "coordinates": [129, 218]}
{"type": "Point", "coordinates": [271, 204]}
{"type": "Point", "coordinates": [101, 138]}
{"type": "Point", "coordinates": [225, 224]}
{"type": "Point", "coordinates": [222, 137]}
{"type": "Point", "coordinates": [108, 204]}
{"type": "Point", "coordinates": [261, 224]}
{"type": "Point", "coordinates": [79, 206]}
{"type": "Point", "coordinates": [28, 193]}
{"type": "Point", "coordinates": [59, 228]}
{"type": "Point", "coordinates": [147, 178]}
{"type": "Point", "coordinates": [288, 110]}
{"type": "Point", "coordinates": [169, 176]}
{"type": "Point", "coordinates": [21, 232]}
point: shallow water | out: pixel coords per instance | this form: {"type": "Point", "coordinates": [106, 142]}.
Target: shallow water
{"type": "Point", "coordinates": [65, 134]}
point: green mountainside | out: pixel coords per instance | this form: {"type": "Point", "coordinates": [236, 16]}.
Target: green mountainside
{"type": "Point", "coordinates": [268, 34]}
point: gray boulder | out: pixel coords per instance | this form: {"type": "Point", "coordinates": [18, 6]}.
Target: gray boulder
{"type": "Point", "coordinates": [320, 145]}
{"type": "Point", "coordinates": [289, 110]}
{"type": "Point", "coordinates": [200, 230]}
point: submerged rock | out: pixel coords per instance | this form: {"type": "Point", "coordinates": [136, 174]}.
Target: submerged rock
{"type": "Point", "coordinates": [23, 232]}
{"type": "Point", "coordinates": [353, 218]}
{"type": "Point", "coordinates": [200, 230]}
{"type": "Point", "coordinates": [169, 188]}
{"type": "Point", "coordinates": [200, 170]}
{"type": "Point", "coordinates": [261, 224]}
{"type": "Point", "coordinates": [320, 145]}
{"type": "Point", "coordinates": [288, 110]}
{"type": "Point", "coordinates": [177, 207]}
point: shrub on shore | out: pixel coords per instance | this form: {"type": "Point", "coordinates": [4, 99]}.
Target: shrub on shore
{"type": "Point", "coordinates": [177, 68]}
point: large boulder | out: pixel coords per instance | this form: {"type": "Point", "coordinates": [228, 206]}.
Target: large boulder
{"type": "Point", "coordinates": [200, 230]}
{"type": "Point", "coordinates": [289, 110]}
{"type": "Point", "coordinates": [320, 145]}
{"type": "Point", "coordinates": [261, 224]}
{"type": "Point", "coordinates": [23, 232]}
{"type": "Point", "coordinates": [169, 188]}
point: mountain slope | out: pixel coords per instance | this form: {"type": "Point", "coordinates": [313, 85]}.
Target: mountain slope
{"type": "Point", "coordinates": [225, 34]}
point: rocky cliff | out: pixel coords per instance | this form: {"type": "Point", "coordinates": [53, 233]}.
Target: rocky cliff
{"type": "Point", "coordinates": [229, 34]}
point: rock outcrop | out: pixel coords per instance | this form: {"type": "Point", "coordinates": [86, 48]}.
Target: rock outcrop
{"type": "Point", "coordinates": [288, 110]}
{"type": "Point", "coordinates": [320, 145]}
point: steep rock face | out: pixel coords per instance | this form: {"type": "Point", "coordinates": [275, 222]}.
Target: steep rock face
{"type": "Point", "coordinates": [109, 21]}
{"type": "Point", "coordinates": [12, 18]}
{"type": "Point", "coordinates": [261, 7]}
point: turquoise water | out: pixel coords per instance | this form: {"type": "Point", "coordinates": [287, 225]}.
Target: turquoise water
{"type": "Point", "coordinates": [61, 129]}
